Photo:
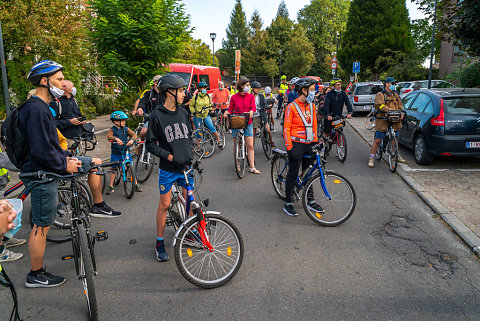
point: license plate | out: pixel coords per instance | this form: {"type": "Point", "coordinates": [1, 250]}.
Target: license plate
{"type": "Point", "coordinates": [473, 144]}
{"type": "Point", "coordinates": [367, 107]}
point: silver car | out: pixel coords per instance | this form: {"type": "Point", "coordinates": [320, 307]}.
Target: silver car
{"type": "Point", "coordinates": [363, 95]}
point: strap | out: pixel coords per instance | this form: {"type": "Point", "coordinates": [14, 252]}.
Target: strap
{"type": "Point", "coordinates": [308, 126]}
{"type": "Point", "coordinates": [59, 106]}
{"type": "Point", "coordinates": [298, 139]}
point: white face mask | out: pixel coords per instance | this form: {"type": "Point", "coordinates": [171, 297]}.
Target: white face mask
{"type": "Point", "coordinates": [74, 91]}
{"type": "Point", "coordinates": [246, 89]}
{"type": "Point", "coordinates": [56, 92]}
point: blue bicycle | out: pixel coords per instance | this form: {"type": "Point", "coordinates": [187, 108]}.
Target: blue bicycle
{"type": "Point", "coordinates": [125, 172]}
{"type": "Point", "coordinates": [333, 192]}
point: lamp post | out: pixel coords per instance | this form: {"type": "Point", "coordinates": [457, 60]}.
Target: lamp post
{"type": "Point", "coordinates": [4, 74]}
{"type": "Point", "coordinates": [433, 47]}
{"type": "Point", "coordinates": [336, 41]}
{"type": "Point", "coordinates": [213, 36]}
{"type": "Point", "coordinates": [280, 68]}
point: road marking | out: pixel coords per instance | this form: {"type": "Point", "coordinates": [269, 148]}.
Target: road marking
{"type": "Point", "coordinates": [101, 131]}
{"type": "Point", "coordinates": [469, 170]}
{"type": "Point", "coordinates": [409, 169]}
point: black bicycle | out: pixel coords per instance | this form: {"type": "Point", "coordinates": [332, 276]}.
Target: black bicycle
{"type": "Point", "coordinates": [82, 239]}
{"type": "Point", "coordinates": [389, 144]}
{"type": "Point", "coordinates": [265, 137]}
{"type": "Point", "coordinates": [337, 137]}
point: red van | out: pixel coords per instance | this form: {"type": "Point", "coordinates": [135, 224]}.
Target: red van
{"type": "Point", "coordinates": [193, 74]}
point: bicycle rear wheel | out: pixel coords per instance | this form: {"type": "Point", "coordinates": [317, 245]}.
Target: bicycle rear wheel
{"type": "Point", "coordinates": [143, 166]}
{"type": "Point", "coordinates": [392, 153]}
{"type": "Point", "coordinates": [266, 143]}
{"type": "Point", "coordinates": [221, 135]}
{"type": "Point", "coordinates": [338, 209]}
{"type": "Point", "coordinates": [379, 152]}
{"type": "Point", "coordinates": [200, 266]}
{"type": "Point", "coordinates": [86, 272]}
{"type": "Point", "coordinates": [129, 182]}
{"type": "Point", "coordinates": [239, 157]}
{"type": "Point", "coordinates": [278, 172]}
{"type": "Point", "coordinates": [341, 146]}
{"type": "Point", "coordinates": [370, 122]}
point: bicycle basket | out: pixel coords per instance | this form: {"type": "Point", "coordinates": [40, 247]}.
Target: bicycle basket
{"type": "Point", "coordinates": [338, 123]}
{"type": "Point", "coordinates": [394, 116]}
{"type": "Point", "coordinates": [238, 121]}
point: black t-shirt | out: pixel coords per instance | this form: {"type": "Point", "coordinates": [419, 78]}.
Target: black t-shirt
{"type": "Point", "coordinates": [149, 101]}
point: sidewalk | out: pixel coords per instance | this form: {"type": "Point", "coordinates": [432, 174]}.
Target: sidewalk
{"type": "Point", "coordinates": [453, 193]}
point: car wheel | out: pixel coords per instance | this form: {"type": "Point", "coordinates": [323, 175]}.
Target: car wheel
{"type": "Point", "coordinates": [422, 156]}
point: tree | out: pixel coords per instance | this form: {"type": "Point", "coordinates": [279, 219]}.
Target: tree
{"type": "Point", "coordinates": [282, 10]}
{"type": "Point", "coordinates": [194, 51]}
{"type": "Point", "coordinates": [136, 39]}
{"type": "Point", "coordinates": [372, 27]}
{"type": "Point", "coordinates": [422, 36]}
{"type": "Point", "coordinates": [279, 33]}
{"type": "Point", "coordinates": [298, 63]}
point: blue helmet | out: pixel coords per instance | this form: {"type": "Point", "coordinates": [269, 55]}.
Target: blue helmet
{"type": "Point", "coordinates": [202, 84]}
{"type": "Point", "coordinates": [44, 68]}
{"type": "Point", "coordinates": [118, 115]}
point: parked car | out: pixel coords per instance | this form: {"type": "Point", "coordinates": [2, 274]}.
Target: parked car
{"type": "Point", "coordinates": [444, 122]}
{"type": "Point", "coordinates": [405, 87]}
{"type": "Point", "coordinates": [193, 74]}
{"type": "Point", "coordinates": [364, 94]}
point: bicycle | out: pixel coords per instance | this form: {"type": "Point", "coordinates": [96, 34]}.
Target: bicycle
{"type": "Point", "coordinates": [6, 282]}
{"type": "Point", "coordinates": [331, 190]}
{"type": "Point", "coordinates": [389, 144]}
{"type": "Point", "coordinates": [370, 119]}
{"type": "Point", "coordinates": [219, 114]}
{"type": "Point", "coordinates": [337, 137]}
{"type": "Point", "coordinates": [124, 172]}
{"type": "Point", "coordinates": [81, 145]}
{"type": "Point", "coordinates": [281, 108]}
{"type": "Point", "coordinates": [220, 124]}
{"type": "Point", "coordinates": [208, 248]}
{"type": "Point", "coordinates": [266, 140]}
{"type": "Point", "coordinates": [269, 106]}
{"type": "Point", "coordinates": [240, 148]}
{"type": "Point", "coordinates": [145, 160]}
{"type": "Point", "coordinates": [204, 141]}
{"type": "Point", "coordinates": [83, 241]}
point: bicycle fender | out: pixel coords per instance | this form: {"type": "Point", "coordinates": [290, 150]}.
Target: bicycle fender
{"type": "Point", "coordinates": [186, 222]}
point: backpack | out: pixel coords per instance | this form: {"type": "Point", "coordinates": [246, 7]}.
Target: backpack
{"type": "Point", "coordinates": [16, 144]}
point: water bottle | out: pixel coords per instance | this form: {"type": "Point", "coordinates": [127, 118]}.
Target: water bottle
{"type": "Point", "coordinates": [305, 172]}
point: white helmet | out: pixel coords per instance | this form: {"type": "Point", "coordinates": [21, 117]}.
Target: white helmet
{"type": "Point", "coordinates": [268, 90]}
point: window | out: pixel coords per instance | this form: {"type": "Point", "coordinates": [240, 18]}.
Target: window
{"type": "Point", "coordinates": [420, 103]}
{"type": "Point", "coordinates": [463, 105]}
{"type": "Point", "coordinates": [407, 101]}
{"type": "Point", "coordinates": [428, 109]}
{"type": "Point", "coordinates": [368, 90]}
{"type": "Point", "coordinates": [205, 79]}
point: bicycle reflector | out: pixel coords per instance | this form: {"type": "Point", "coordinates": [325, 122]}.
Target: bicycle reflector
{"type": "Point", "coordinates": [337, 181]}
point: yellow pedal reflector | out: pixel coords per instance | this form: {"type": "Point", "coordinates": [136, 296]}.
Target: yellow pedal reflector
{"type": "Point", "coordinates": [207, 153]}
{"type": "Point", "coordinates": [318, 215]}
{"type": "Point", "coordinates": [229, 251]}
{"type": "Point", "coordinates": [85, 292]}
{"type": "Point", "coordinates": [189, 252]}
{"type": "Point", "coordinates": [337, 181]}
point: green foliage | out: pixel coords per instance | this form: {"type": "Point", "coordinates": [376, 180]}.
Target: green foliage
{"type": "Point", "coordinates": [422, 36]}
{"type": "Point", "coordinates": [470, 76]}
{"type": "Point", "coordinates": [282, 10]}
{"type": "Point", "coordinates": [372, 27]}
{"type": "Point", "coordinates": [298, 64]}
{"type": "Point", "coordinates": [196, 52]}
{"type": "Point", "coordinates": [401, 66]}
{"type": "Point", "coordinates": [135, 39]}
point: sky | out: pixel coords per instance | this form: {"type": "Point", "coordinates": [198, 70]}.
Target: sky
{"type": "Point", "coordinates": [213, 16]}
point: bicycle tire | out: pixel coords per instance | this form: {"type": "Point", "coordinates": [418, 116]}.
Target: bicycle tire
{"type": "Point", "coordinates": [370, 122]}
{"type": "Point", "coordinates": [86, 270]}
{"type": "Point", "coordinates": [144, 166]}
{"type": "Point", "coordinates": [129, 182]}
{"type": "Point", "coordinates": [85, 189]}
{"type": "Point", "coordinates": [341, 146]}
{"type": "Point", "coordinates": [278, 173]}
{"type": "Point", "coordinates": [392, 152]}
{"type": "Point", "coordinates": [266, 143]}
{"type": "Point", "coordinates": [221, 135]}
{"type": "Point", "coordinates": [227, 243]}
{"type": "Point", "coordinates": [337, 210]}
{"type": "Point", "coordinates": [118, 175]}
{"type": "Point", "coordinates": [239, 158]}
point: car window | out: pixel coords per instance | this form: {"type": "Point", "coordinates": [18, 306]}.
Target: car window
{"type": "Point", "coordinates": [462, 105]}
{"type": "Point", "coordinates": [407, 101]}
{"type": "Point", "coordinates": [368, 90]}
{"type": "Point", "coordinates": [424, 84]}
{"type": "Point", "coordinates": [205, 79]}
{"type": "Point", "coordinates": [420, 103]}
{"type": "Point", "coordinates": [429, 108]}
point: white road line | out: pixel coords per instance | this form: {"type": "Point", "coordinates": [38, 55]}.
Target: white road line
{"type": "Point", "coordinates": [102, 131]}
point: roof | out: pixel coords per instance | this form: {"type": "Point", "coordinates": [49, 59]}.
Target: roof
{"type": "Point", "coordinates": [446, 92]}
{"type": "Point", "coordinates": [366, 83]}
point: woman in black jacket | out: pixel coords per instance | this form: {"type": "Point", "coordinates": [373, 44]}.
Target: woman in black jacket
{"type": "Point", "coordinates": [261, 113]}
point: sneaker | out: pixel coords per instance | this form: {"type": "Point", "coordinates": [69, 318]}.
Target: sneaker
{"type": "Point", "coordinates": [138, 188]}
{"type": "Point", "coordinates": [315, 207]}
{"type": "Point", "coordinates": [401, 159]}
{"type": "Point", "coordinates": [11, 242]}
{"type": "Point", "coordinates": [104, 211]}
{"type": "Point", "coordinates": [43, 279]}
{"type": "Point", "coordinates": [220, 145]}
{"type": "Point", "coordinates": [371, 163]}
{"type": "Point", "coordinates": [110, 190]}
{"type": "Point", "coordinates": [161, 253]}
{"type": "Point", "coordinates": [290, 210]}
{"type": "Point", "coordinates": [8, 256]}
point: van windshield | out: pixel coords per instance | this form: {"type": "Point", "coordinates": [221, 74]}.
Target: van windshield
{"type": "Point", "coordinates": [462, 105]}
{"type": "Point", "coordinates": [368, 90]}
{"type": "Point", "coordinates": [184, 75]}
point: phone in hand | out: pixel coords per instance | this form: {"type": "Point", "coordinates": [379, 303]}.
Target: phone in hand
{"type": "Point", "coordinates": [83, 118]}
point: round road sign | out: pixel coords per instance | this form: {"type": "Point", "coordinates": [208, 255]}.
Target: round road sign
{"type": "Point", "coordinates": [334, 65]}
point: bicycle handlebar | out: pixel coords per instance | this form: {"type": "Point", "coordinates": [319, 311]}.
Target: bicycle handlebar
{"type": "Point", "coordinates": [44, 174]}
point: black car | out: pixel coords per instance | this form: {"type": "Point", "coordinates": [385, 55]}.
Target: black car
{"type": "Point", "coordinates": [442, 122]}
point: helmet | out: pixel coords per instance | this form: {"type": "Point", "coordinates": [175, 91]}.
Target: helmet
{"type": "Point", "coordinates": [389, 79]}
{"type": "Point", "coordinates": [255, 84]}
{"type": "Point", "coordinates": [202, 84]}
{"type": "Point", "coordinates": [294, 80]}
{"type": "Point", "coordinates": [118, 115]}
{"type": "Point", "coordinates": [268, 90]}
{"type": "Point", "coordinates": [234, 83]}
{"type": "Point", "coordinates": [335, 80]}
{"type": "Point", "coordinates": [156, 78]}
{"type": "Point", "coordinates": [283, 77]}
{"type": "Point", "coordinates": [171, 81]}
{"type": "Point", "coordinates": [303, 83]}
{"type": "Point", "coordinates": [44, 68]}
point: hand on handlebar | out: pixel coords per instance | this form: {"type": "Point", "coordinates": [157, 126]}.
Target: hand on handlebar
{"type": "Point", "coordinates": [130, 142]}
{"type": "Point", "coordinates": [72, 165]}
{"type": "Point", "coordinates": [330, 118]}
{"type": "Point", "coordinates": [349, 116]}
{"type": "Point", "coordinates": [140, 112]}
{"type": "Point", "coordinates": [119, 141]}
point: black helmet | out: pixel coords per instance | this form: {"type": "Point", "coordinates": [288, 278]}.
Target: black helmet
{"type": "Point", "coordinates": [171, 81]}
{"type": "Point", "coordinates": [44, 68]}
{"type": "Point", "coordinates": [303, 83]}
{"type": "Point", "coordinates": [234, 83]}
{"type": "Point", "coordinates": [255, 84]}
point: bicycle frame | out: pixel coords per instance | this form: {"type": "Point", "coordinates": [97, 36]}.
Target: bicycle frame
{"type": "Point", "coordinates": [23, 194]}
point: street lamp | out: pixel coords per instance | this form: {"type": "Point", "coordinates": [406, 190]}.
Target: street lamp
{"type": "Point", "coordinates": [4, 75]}
{"type": "Point", "coordinates": [280, 68]}
{"type": "Point", "coordinates": [213, 36]}
{"type": "Point", "coordinates": [336, 40]}
{"type": "Point", "coordinates": [432, 49]}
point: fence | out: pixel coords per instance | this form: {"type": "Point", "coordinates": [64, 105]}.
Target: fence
{"type": "Point", "coordinates": [105, 85]}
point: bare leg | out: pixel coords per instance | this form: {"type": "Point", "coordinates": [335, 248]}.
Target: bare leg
{"type": "Point", "coordinates": [36, 246]}
{"type": "Point", "coordinates": [251, 153]}
{"type": "Point", "coordinates": [375, 145]}
{"type": "Point", "coordinates": [162, 209]}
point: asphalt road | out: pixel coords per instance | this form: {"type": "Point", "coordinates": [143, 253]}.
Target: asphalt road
{"type": "Point", "coordinates": [393, 260]}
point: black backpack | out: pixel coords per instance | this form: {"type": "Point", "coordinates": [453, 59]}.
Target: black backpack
{"type": "Point", "coordinates": [16, 144]}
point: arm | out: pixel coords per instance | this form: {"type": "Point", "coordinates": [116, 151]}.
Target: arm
{"type": "Point", "coordinates": [287, 126]}
{"type": "Point", "coordinates": [152, 139]}
{"type": "Point", "coordinates": [326, 106]}
{"type": "Point", "coordinates": [132, 135]}
{"type": "Point", "coordinates": [191, 106]}
{"type": "Point", "coordinates": [348, 103]}
{"type": "Point", "coordinates": [380, 102]}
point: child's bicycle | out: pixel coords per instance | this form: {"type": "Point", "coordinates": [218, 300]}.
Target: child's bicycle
{"type": "Point", "coordinates": [125, 172]}
{"type": "Point", "coordinates": [145, 160]}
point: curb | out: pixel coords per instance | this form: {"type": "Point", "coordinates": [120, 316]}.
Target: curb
{"type": "Point", "coordinates": [467, 236]}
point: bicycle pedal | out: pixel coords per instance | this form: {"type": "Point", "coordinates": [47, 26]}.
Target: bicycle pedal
{"type": "Point", "coordinates": [101, 236]}
{"type": "Point", "coordinates": [206, 202]}
{"type": "Point", "coordinates": [67, 257]}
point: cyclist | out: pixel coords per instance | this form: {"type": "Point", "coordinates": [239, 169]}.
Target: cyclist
{"type": "Point", "coordinates": [220, 98]}
{"type": "Point", "coordinates": [300, 132]}
{"type": "Point", "coordinates": [200, 101]}
{"type": "Point", "coordinates": [244, 102]}
{"type": "Point", "coordinates": [282, 88]}
{"type": "Point", "coordinates": [260, 113]}
{"type": "Point", "coordinates": [270, 100]}
{"type": "Point", "coordinates": [334, 101]}
{"type": "Point", "coordinates": [233, 88]}
{"type": "Point", "coordinates": [386, 100]}
{"type": "Point", "coordinates": [291, 92]}
{"type": "Point", "coordinates": [169, 137]}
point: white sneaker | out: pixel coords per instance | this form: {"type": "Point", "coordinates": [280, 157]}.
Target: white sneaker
{"type": "Point", "coordinates": [401, 159]}
{"type": "Point", "coordinates": [371, 163]}
{"type": "Point", "coordinates": [14, 242]}
{"type": "Point", "coordinates": [8, 256]}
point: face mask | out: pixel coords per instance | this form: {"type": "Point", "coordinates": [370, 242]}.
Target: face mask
{"type": "Point", "coordinates": [246, 89]}
{"type": "Point", "coordinates": [337, 90]}
{"type": "Point", "coordinates": [221, 88]}
{"type": "Point", "coordinates": [392, 87]}
{"type": "Point", "coordinates": [204, 91]}
{"type": "Point", "coordinates": [311, 96]}
{"type": "Point", "coordinates": [74, 91]}
{"type": "Point", "coordinates": [56, 92]}
{"type": "Point", "coordinates": [16, 205]}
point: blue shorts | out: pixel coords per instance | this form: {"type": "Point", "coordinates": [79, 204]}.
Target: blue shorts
{"type": "Point", "coordinates": [146, 124]}
{"type": "Point", "coordinates": [43, 200]}
{"type": "Point", "coordinates": [166, 180]}
{"type": "Point", "coordinates": [208, 123]}
{"type": "Point", "coordinates": [114, 158]}
{"type": "Point", "coordinates": [382, 135]}
{"type": "Point", "coordinates": [86, 162]}
{"type": "Point", "coordinates": [248, 132]}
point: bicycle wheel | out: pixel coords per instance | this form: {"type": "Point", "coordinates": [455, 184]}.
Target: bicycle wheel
{"type": "Point", "coordinates": [143, 166]}
{"type": "Point", "coordinates": [221, 135]}
{"type": "Point", "coordinates": [392, 152]}
{"type": "Point", "coordinates": [339, 208]}
{"type": "Point", "coordinates": [278, 173]}
{"type": "Point", "coordinates": [370, 122]}
{"type": "Point", "coordinates": [239, 158]}
{"type": "Point", "coordinates": [128, 183]}
{"type": "Point", "coordinates": [200, 266]}
{"type": "Point", "coordinates": [118, 175]}
{"type": "Point", "coordinates": [279, 112]}
{"type": "Point", "coordinates": [341, 146]}
{"type": "Point", "coordinates": [86, 272]}
{"type": "Point", "coordinates": [85, 189]}
{"type": "Point", "coordinates": [266, 143]}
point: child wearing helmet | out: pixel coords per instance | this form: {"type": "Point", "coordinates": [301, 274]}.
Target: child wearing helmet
{"type": "Point", "coordinates": [118, 135]}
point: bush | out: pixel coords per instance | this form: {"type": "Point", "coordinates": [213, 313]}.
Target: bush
{"type": "Point", "coordinates": [470, 76]}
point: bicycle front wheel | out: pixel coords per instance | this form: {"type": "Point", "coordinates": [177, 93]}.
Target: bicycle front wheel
{"type": "Point", "coordinates": [239, 157]}
{"type": "Point", "coordinates": [266, 143]}
{"type": "Point", "coordinates": [278, 172]}
{"type": "Point", "coordinates": [338, 208]}
{"type": "Point", "coordinates": [204, 268]}
{"type": "Point", "coordinates": [129, 182]}
{"type": "Point", "coordinates": [392, 152]}
{"type": "Point", "coordinates": [341, 146]}
{"type": "Point", "coordinates": [143, 166]}
{"type": "Point", "coordinates": [86, 273]}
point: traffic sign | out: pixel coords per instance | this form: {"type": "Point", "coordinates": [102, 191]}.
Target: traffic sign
{"type": "Point", "coordinates": [237, 55]}
{"type": "Point", "coordinates": [334, 65]}
{"type": "Point", "coordinates": [334, 59]}
{"type": "Point", "coordinates": [356, 67]}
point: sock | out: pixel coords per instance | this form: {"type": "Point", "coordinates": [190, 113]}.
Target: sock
{"type": "Point", "coordinates": [371, 155]}
{"type": "Point", "coordinates": [288, 203]}
{"type": "Point", "coordinates": [160, 242]}
{"type": "Point", "coordinates": [32, 272]}
{"type": "Point", "coordinates": [101, 204]}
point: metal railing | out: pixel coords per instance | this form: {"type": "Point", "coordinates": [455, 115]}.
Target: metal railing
{"type": "Point", "coordinates": [105, 85]}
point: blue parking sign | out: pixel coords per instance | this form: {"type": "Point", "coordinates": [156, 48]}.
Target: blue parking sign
{"type": "Point", "coordinates": [356, 67]}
